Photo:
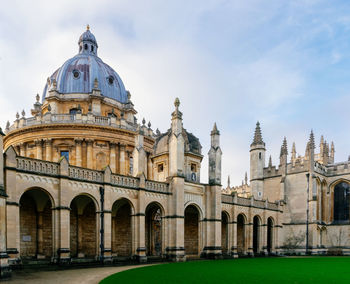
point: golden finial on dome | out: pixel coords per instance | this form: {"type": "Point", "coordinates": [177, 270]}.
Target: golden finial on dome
{"type": "Point", "coordinates": [87, 27]}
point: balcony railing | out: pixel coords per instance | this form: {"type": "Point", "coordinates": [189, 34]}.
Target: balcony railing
{"type": "Point", "coordinates": [74, 118]}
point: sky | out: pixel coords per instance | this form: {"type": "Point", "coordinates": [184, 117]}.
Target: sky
{"type": "Point", "coordinates": [285, 64]}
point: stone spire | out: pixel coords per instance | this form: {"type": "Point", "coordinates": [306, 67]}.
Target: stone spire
{"type": "Point", "coordinates": [246, 178]}
{"type": "Point", "coordinates": [215, 130]}
{"type": "Point", "coordinates": [312, 141]}
{"type": "Point", "coordinates": [257, 136]}
{"type": "Point", "coordinates": [284, 149]}
{"type": "Point", "coordinates": [294, 152]}
{"type": "Point", "coordinates": [270, 162]}
{"type": "Point", "coordinates": [332, 151]}
{"type": "Point", "coordinates": [228, 182]}
{"type": "Point", "coordinates": [321, 145]}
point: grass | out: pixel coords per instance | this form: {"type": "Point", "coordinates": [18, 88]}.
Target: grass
{"type": "Point", "coordinates": [246, 270]}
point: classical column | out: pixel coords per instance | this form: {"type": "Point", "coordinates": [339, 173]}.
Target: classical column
{"type": "Point", "coordinates": [139, 220]}
{"type": "Point", "coordinates": [64, 235]}
{"type": "Point", "coordinates": [249, 239]}
{"type": "Point", "coordinates": [48, 145]}
{"type": "Point", "coordinates": [40, 252]}
{"type": "Point", "coordinates": [233, 227]}
{"type": "Point", "coordinates": [122, 159]}
{"type": "Point", "coordinates": [39, 149]}
{"type": "Point", "coordinates": [80, 236]}
{"type": "Point", "coordinates": [78, 157]}
{"type": "Point", "coordinates": [107, 256]}
{"type": "Point", "coordinates": [13, 232]}
{"type": "Point", "coordinates": [22, 149]}
{"type": "Point", "coordinates": [112, 156]}
{"type": "Point", "coordinates": [89, 161]}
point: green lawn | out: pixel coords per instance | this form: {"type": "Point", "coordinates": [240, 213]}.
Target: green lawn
{"type": "Point", "coordinates": [247, 270]}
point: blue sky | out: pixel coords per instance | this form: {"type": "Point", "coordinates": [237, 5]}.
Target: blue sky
{"type": "Point", "coordinates": [284, 63]}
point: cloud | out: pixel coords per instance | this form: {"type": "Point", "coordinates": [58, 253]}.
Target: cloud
{"type": "Point", "coordinates": [233, 62]}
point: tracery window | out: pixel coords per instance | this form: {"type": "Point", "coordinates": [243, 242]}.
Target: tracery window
{"type": "Point", "coordinates": [341, 202]}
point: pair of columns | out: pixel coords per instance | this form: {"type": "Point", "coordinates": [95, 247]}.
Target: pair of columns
{"type": "Point", "coordinates": [39, 145]}
{"type": "Point", "coordinates": [112, 155]}
{"type": "Point", "coordinates": [248, 238]}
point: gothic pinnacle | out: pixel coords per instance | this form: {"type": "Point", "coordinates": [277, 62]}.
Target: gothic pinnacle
{"type": "Point", "coordinates": [215, 130]}
{"type": "Point", "coordinates": [284, 145]}
{"type": "Point", "coordinates": [312, 140]}
{"type": "Point", "coordinates": [257, 135]}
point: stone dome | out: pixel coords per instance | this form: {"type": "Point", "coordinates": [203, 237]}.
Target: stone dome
{"type": "Point", "coordinates": [77, 75]}
{"type": "Point", "coordinates": [192, 144]}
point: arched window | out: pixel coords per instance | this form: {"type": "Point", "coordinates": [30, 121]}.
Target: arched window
{"type": "Point", "coordinates": [341, 202]}
{"type": "Point", "coordinates": [131, 166]}
{"type": "Point", "coordinates": [259, 155]}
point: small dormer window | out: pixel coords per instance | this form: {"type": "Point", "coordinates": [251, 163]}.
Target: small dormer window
{"type": "Point", "coordinates": [92, 48]}
{"type": "Point", "coordinates": [76, 74]}
{"type": "Point", "coordinates": [110, 80]}
{"type": "Point", "coordinates": [193, 168]}
{"type": "Point", "coordinates": [85, 46]}
{"type": "Point", "coordinates": [160, 168]}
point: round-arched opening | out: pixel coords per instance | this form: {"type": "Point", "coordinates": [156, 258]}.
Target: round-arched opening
{"type": "Point", "coordinates": [83, 233]}
{"type": "Point", "coordinates": [241, 243]}
{"type": "Point", "coordinates": [269, 244]}
{"type": "Point", "coordinates": [35, 224]}
{"type": "Point", "coordinates": [224, 233]}
{"type": "Point", "coordinates": [153, 230]}
{"type": "Point", "coordinates": [341, 202]}
{"type": "Point", "coordinates": [256, 235]}
{"type": "Point", "coordinates": [192, 231]}
{"type": "Point", "coordinates": [121, 228]}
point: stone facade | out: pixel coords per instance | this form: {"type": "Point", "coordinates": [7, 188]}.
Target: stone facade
{"type": "Point", "coordinates": [81, 180]}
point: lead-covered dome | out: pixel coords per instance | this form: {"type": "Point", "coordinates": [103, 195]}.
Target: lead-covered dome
{"type": "Point", "coordinates": [77, 75]}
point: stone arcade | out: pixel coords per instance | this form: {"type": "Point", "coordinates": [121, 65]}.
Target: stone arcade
{"type": "Point", "coordinates": [81, 180]}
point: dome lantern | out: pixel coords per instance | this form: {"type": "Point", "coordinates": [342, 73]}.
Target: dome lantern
{"type": "Point", "coordinates": [87, 42]}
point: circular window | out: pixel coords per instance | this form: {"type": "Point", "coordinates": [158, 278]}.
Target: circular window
{"type": "Point", "coordinates": [76, 74]}
{"type": "Point", "coordinates": [110, 80]}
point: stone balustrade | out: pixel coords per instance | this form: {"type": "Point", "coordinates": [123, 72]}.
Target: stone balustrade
{"type": "Point", "coordinates": [37, 166]}
{"type": "Point", "coordinates": [85, 174]}
{"type": "Point", "coordinates": [248, 202]}
{"type": "Point", "coordinates": [243, 201]}
{"type": "Point", "coordinates": [157, 186]}
{"type": "Point", "coordinates": [72, 118]}
{"type": "Point", "coordinates": [226, 198]}
{"type": "Point", "coordinates": [125, 181]}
